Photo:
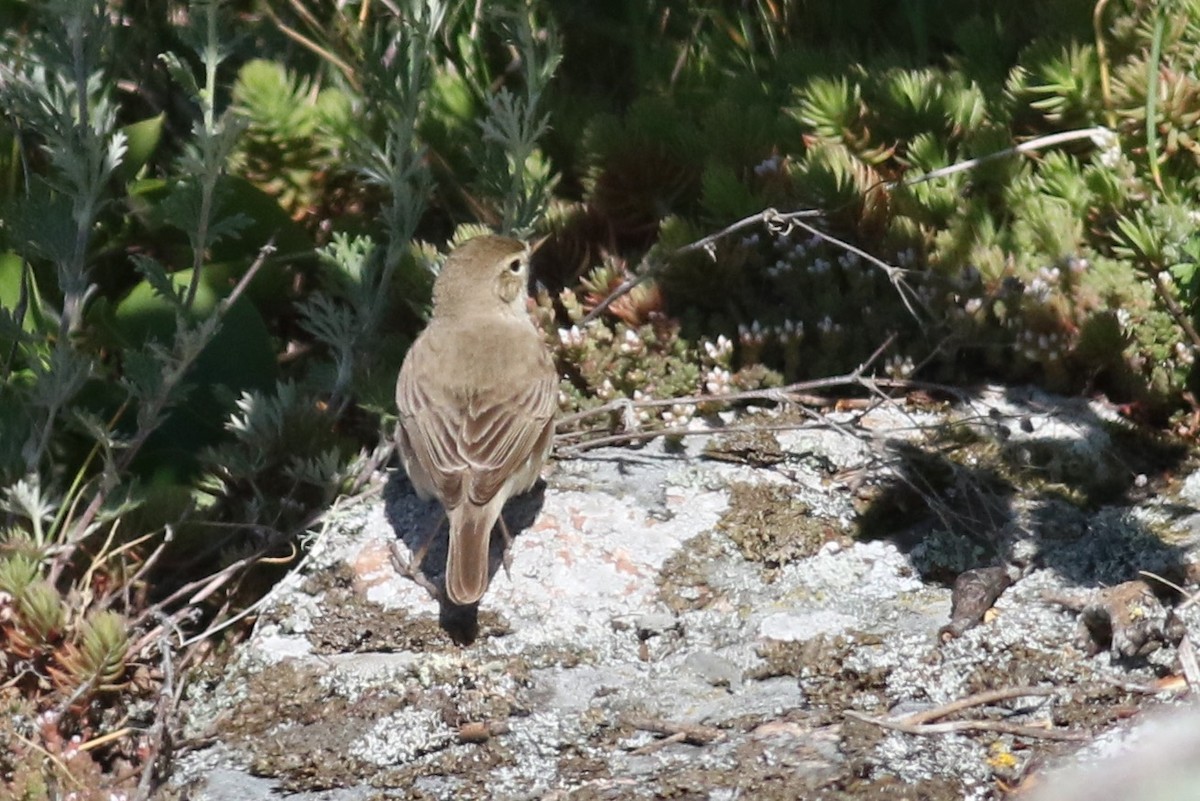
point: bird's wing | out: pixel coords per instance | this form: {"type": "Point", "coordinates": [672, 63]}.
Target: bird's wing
{"type": "Point", "coordinates": [469, 445]}
{"type": "Point", "coordinates": [427, 420]}
{"type": "Point", "coordinates": [506, 426]}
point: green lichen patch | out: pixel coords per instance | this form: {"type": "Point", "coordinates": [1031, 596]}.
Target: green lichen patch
{"type": "Point", "coordinates": [770, 526]}
{"type": "Point", "coordinates": [683, 579]}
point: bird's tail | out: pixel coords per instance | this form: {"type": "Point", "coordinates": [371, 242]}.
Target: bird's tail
{"type": "Point", "coordinates": [467, 563]}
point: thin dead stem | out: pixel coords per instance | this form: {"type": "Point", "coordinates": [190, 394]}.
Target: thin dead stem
{"type": "Point", "coordinates": [799, 394]}
{"type": "Point", "coordinates": [922, 723]}
{"type": "Point", "coordinates": [960, 726]}
{"type": "Point", "coordinates": [707, 244]}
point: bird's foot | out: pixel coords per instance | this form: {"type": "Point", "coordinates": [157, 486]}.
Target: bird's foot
{"type": "Point", "coordinates": [411, 569]}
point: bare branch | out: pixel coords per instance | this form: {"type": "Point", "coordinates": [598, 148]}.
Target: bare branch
{"type": "Point", "coordinates": [765, 217]}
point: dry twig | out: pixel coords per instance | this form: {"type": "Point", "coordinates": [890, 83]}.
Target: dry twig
{"type": "Point", "coordinates": [958, 726]}
{"type": "Point", "coordinates": [691, 733]}
{"type": "Point", "coordinates": [921, 723]}
{"type": "Point", "coordinates": [799, 394]}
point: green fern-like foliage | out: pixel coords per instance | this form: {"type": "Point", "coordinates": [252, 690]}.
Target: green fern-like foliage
{"type": "Point", "coordinates": [43, 614]}
{"type": "Point", "coordinates": [833, 109]}
{"type": "Point", "coordinates": [98, 659]}
{"type": "Point", "coordinates": [17, 573]}
{"type": "Point", "coordinates": [289, 141]}
{"type": "Point", "coordinates": [1066, 88]}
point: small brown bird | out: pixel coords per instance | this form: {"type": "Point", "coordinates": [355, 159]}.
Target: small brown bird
{"type": "Point", "coordinates": [477, 395]}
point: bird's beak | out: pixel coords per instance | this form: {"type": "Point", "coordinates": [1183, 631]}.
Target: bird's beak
{"type": "Point", "coordinates": [533, 247]}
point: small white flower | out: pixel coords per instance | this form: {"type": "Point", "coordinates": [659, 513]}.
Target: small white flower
{"type": "Point", "coordinates": [899, 367]}
{"type": "Point", "coordinates": [720, 349]}
{"type": "Point", "coordinates": [571, 337]}
{"type": "Point", "coordinates": [973, 305]}
{"type": "Point", "coordinates": [717, 381]}
{"type": "Point", "coordinates": [1109, 145]}
{"type": "Point", "coordinates": [1050, 274]}
{"type": "Point", "coordinates": [752, 334]}
{"type": "Point", "coordinates": [680, 414]}
{"type": "Point", "coordinates": [631, 342]}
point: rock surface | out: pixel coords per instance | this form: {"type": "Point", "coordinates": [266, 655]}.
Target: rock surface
{"type": "Point", "coordinates": [746, 614]}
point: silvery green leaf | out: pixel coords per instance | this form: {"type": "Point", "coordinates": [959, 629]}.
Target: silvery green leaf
{"type": "Point", "coordinates": [158, 279]}
{"type": "Point", "coordinates": [180, 73]}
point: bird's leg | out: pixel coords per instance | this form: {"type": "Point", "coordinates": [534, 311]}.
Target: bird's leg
{"type": "Point", "coordinates": [506, 557]}
{"type": "Point", "coordinates": [411, 567]}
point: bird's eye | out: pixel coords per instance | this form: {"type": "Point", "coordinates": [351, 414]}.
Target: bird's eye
{"type": "Point", "coordinates": [514, 266]}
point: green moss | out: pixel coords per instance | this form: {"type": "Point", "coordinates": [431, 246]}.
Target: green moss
{"type": "Point", "coordinates": [770, 526]}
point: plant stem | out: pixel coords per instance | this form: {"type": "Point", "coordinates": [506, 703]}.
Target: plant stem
{"type": "Point", "coordinates": [211, 158]}
{"type": "Point", "coordinates": [1152, 68]}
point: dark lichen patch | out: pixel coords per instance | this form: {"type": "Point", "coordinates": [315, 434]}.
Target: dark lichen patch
{"type": "Point", "coordinates": [1087, 703]}
{"type": "Point", "coordinates": [765, 768]}
{"type": "Point", "coordinates": [297, 730]}
{"type": "Point", "coordinates": [683, 579]}
{"type": "Point", "coordinates": [470, 766]}
{"type": "Point", "coordinates": [300, 730]}
{"type": "Point", "coordinates": [1096, 708]}
{"type": "Point", "coordinates": [560, 656]}
{"type": "Point", "coordinates": [770, 526]}
{"type": "Point", "coordinates": [349, 624]}
{"type": "Point", "coordinates": [1017, 664]}
{"type": "Point", "coordinates": [821, 666]}
{"type": "Point", "coordinates": [575, 766]}
{"type": "Point", "coordinates": [339, 576]}
{"type": "Point", "coordinates": [756, 448]}
{"type": "Point", "coordinates": [889, 788]}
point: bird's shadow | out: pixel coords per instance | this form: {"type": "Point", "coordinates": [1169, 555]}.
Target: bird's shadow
{"type": "Point", "coordinates": [418, 524]}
